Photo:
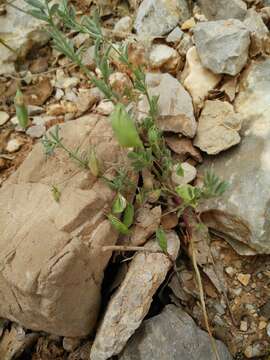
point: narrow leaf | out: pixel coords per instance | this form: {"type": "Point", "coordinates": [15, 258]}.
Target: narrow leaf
{"type": "Point", "coordinates": [128, 215]}
{"type": "Point", "coordinates": [162, 240]}
{"type": "Point", "coordinates": [21, 109]}
{"type": "Point", "coordinates": [118, 225]}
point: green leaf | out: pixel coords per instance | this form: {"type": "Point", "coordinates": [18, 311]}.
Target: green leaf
{"type": "Point", "coordinates": [162, 240]}
{"type": "Point", "coordinates": [118, 225]}
{"type": "Point", "coordinates": [189, 194]}
{"type": "Point", "coordinates": [93, 163]}
{"type": "Point", "coordinates": [124, 128]}
{"type": "Point", "coordinates": [128, 215]}
{"type": "Point", "coordinates": [36, 4]}
{"type": "Point", "coordinates": [21, 109]}
{"type": "Point", "coordinates": [213, 186]}
{"type": "Point", "coordinates": [119, 204]}
{"type": "Point", "coordinates": [56, 193]}
{"type": "Point", "coordinates": [179, 170]}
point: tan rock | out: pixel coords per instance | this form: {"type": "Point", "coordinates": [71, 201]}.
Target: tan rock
{"type": "Point", "coordinates": [244, 279]}
{"type": "Point", "coordinates": [218, 127]}
{"type": "Point", "coordinates": [3, 117]}
{"type": "Point", "coordinates": [146, 223]}
{"type": "Point", "coordinates": [50, 252]}
{"type": "Point", "coordinates": [130, 304]}
{"type": "Point", "coordinates": [197, 79]}
{"type": "Point", "coordinates": [164, 57]}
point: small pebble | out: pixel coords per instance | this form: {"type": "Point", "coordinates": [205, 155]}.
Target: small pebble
{"type": "Point", "coordinates": [244, 279]}
{"type": "Point", "coordinates": [190, 173]}
{"type": "Point", "coordinates": [70, 344]}
{"type": "Point", "coordinates": [34, 110]}
{"type": "Point", "coordinates": [59, 94]}
{"type": "Point", "coordinates": [3, 117]}
{"type": "Point", "coordinates": [188, 24]}
{"type": "Point", "coordinates": [230, 271]}
{"type": "Point", "coordinates": [13, 145]}
{"type": "Point", "coordinates": [36, 131]}
{"type": "Point", "coordinates": [243, 326]}
{"type": "Point", "coordinates": [105, 107]}
{"type": "Point", "coordinates": [175, 36]}
{"type": "Point", "coordinates": [124, 24]}
{"type": "Point", "coordinates": [262, 325]}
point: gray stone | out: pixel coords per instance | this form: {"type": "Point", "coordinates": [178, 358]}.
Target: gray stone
{"type": "Point", "coordinates": [218, 127]}
{"type": "Point", "coordinates": [174, 105]}
{"type": "Point", "coordinates": [172, 335]}
{"type": "Point", "coordinates": [159, 17]}
{"type": "Point", "coordinates": [51, 248]}
{"type": "Point", "coordinates": [124, 24]}
{"type": "Point", "coordinates": [222, 45]}
{"type": "Point", "coordinates": [175, 36]}
{"type": "Point", "coordinates": [223, 9]}
{"type": "Point", "coordinates": [36, 131]}
{"type": "Point", "coordinates": [243, 213]}
{"type": "Point", "coordinates": [131, 302]}
{"type": "Point", "coordinates": [21, 32]}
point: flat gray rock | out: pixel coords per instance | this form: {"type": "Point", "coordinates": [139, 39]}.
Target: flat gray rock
{"type": "Point", "coordinates": [175, 106]}
{"type": "Point", "coordinates": [222, 45]}
{"type": "Point", "coordinates": [243, 213]}
{"type": "Point", "coordinates": [159, 17]}
{"type": "Point", "coordinates": [172, 335]}
{"type": "Point", "coordinates": [223, 9]}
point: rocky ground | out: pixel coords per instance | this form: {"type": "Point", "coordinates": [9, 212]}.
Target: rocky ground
{"type": "Point", "coordinates": [61, 295]}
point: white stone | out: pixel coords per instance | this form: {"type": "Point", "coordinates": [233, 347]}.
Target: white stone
{"type": "Point", "coordinates": [13, 145]}
{"type": "Point", "coordinates": [36, 131]}
{"type": "Point", "coordinates": [3, 117]}
{"type": "Point", "coordinates": [197, 79]}
{"type": "Point", "coordinates": [190, 174]}
{"type": "Point", "coordinates": [124, 24]}
{"type": "Point", "coordinates": [164, 57]}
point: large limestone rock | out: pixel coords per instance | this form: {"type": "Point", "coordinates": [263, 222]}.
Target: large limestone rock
{"type": "Point", "coordinates": [243, 213]}
{"type": "Point", "coordinates": [174, 105]}
{"type": "Point", "coordinates": [51, 262]}
{"type": "Point", "coordinates": [197, 79]}
{"type": "Point", "coordinates": [21, 32]}
{"type": "Point", "coordinates": [218, 127]}
{"type": "Point", "coordinates": [172, 335]}
{"type": "Point", "coordinates": [222, 45]}
{"type": "Point", "coordinates": [223, 9]}
{"type": "Point", "coordinates": [159, 17]}
{"type": "Point", "coordinates": [131, 302]}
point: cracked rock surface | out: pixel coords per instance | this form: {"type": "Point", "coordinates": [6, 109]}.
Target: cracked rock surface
{"type": "Point", "coordinates": [50, 252]}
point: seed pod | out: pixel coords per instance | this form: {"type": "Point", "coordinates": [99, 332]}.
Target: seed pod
{"type": "Point", "coordinates": [128, 215]}
{"type": "Point", "coordinates": [118, 225]}
{"type": "Point", "coordinates": [21, 109]}
{"type": "Point", "coordinates": [93, 163]}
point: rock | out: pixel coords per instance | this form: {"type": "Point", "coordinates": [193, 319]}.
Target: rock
{"type": "Point", "coordinates": [21, 32]}
{"type": "Point", "coordinates": [88, 57]}
{"type": "Point", "coordinates": [14, 145]}
{"type": "Point", "coordinates": [174, 104]}
{"type": "Point", "coordinates": [147, 221]}
{"type": "Point", "coordinates": [120, 83]}
{"type": "Point", "coordinates": [175, 36]}
{"type": "Point", "coordinates": [164, 57]}
{"type": "Point", "coordinates": [63, 82]}
{"type": "Point", "coordinates": [131, 302]}
{"type": "Point", "coordinates": [105, 107]}
{"type": "Point", "coordinates": [183, 147]}
{"type": "Point", "coordinates": [218, 127]}
{"type": "Point", "coordinates": [197, 79]}
{"type": "Point", "coordinates": [172, 335]}
{"type": "Point", "coordinates": [34, 110]}
{"type": "Point", "coordinates": [244, 279]}
{"type": "Point", "coordinates": [159, 17]}
{"type": "Point", "coordinates": [3, 117]}
{"type": "Point", "coordinates": [222, 45]}
{"type": "Point", "coordinates": [36, 131]}
{"type": "Point", "coordinates": [50, 252]}
{"type": "Point", "coordinates": [223, 9]}
{"type": "Point", "coordinates": [190, 173]}
{"type": "Point", "coordinates": [260, 39]}
{"type": "Point", "coordinates": [185, 44]}
{"type": "Point", "coordinates": [123, 25]}
{"type": "Point", "coordinates": [242, 214]}
{"type": "Point", "coordinates": [14, 342]}
{"type": "Point", "coordinates": [70, 344]}
{"type": "Point", "coordinates": [188, 24]}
